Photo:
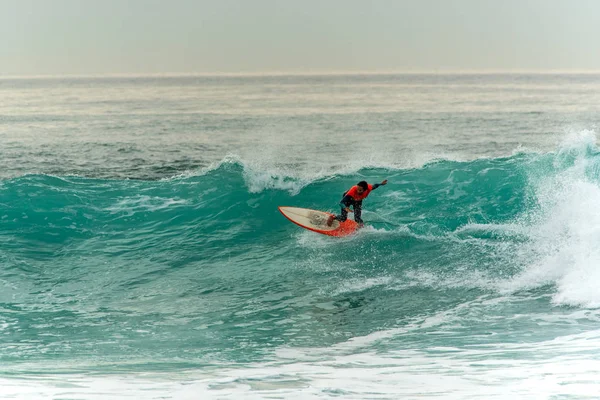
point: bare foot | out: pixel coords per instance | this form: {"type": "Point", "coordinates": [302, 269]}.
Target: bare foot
{"type": "Point", "coordinates": [330, 220]}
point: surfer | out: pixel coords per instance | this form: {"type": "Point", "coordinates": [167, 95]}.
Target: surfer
{"type": "Point", "coordinates": [354, 197]}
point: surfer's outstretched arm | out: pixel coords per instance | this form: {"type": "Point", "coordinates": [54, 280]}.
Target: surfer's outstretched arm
{"type": "Point", "coordinates": [376, 185]}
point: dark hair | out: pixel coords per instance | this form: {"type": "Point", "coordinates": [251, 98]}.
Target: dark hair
{"type": "Point", "coordinates": [363, 184]}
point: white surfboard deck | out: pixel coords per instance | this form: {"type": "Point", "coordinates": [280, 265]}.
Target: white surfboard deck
{"type": "Point", "coordinates": [309, 218]}
{"type": "Point", "coordinates": [316, 221]}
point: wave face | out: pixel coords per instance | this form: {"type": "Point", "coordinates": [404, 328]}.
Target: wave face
{"type": "Point", "coordinates": [202, 269]}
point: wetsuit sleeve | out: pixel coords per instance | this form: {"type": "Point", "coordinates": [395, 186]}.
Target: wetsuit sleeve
{"type": "Point", "coordinates": [376, 185]}
{"type": "Point", "coordinates": [346, 201]}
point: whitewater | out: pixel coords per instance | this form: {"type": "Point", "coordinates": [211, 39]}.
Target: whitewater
{"type": "Point", "coordinates": [143, 256]}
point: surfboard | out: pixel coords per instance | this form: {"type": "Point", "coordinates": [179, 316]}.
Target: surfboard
{"type": "Point", "coordinates": [316, 221]}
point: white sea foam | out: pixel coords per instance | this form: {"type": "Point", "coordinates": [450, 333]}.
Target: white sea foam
{"type": "Point", "coordinates": [360, 284]}
{"type": "Point", "coordinates": [140, 203]}
{"type": "Point", "coordinates": [565, 232]}
{"type": "Point", "coordinates": [547, 369]}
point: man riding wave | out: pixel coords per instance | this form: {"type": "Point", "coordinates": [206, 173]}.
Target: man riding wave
{"type": "Point", "coordinates": [354, 197]}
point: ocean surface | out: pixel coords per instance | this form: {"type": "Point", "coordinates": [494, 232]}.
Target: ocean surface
{"type": "Point", "coordinates": [142, 255]}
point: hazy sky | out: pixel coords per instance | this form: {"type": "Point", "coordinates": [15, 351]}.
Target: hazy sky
{"type": "Point", "coordinates": [187, 36]}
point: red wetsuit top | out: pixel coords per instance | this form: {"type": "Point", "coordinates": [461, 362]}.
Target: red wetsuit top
{"type": "Point", "coordinates": [358, 197]}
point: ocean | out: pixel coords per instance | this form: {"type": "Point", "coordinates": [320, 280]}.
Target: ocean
{"type": "Point", "coordinates": [143, 256]}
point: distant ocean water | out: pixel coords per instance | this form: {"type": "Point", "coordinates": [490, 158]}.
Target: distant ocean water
{"type": "Point", "coordinates": [142, 254]}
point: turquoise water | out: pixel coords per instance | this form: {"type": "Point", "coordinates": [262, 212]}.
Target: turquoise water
{"type": "Point", "coordinates": [143, 255]}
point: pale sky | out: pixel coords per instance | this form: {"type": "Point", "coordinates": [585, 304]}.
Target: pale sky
{"type": "Point", "coordinates": [49, 37]}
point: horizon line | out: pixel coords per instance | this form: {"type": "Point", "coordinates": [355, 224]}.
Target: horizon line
{"type": "Point", "coordinates": [304, 73]}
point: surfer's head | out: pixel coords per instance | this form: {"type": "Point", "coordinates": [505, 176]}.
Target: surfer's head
{"type": "Point", "coordinates": [361, 186]}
